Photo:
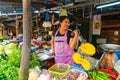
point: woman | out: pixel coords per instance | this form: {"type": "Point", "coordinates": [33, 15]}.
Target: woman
{"type": "Point", "coordinates": [63, 42]}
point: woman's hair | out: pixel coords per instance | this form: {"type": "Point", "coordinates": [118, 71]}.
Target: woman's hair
{"type": "Point", "coordinates": [61, 18]}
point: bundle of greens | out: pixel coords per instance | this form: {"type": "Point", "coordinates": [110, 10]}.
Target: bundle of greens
{"type": "Point", "coordinates": [10, 58]}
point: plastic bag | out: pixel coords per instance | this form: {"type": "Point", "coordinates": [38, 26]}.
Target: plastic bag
{"type": "Point", "coordinates": [45, 75]}
{"type": "Point", "coordinates": [117, 66]}
{"type": "Point", "coordinates": [92, 61]}
{"type": "Point", "coordinates": [75, 74]}
{"type": "Point", "coordinates": [34, 73]}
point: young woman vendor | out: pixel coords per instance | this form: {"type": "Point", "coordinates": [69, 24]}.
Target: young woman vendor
{"type": "Point", "coordinates": [64, 41]}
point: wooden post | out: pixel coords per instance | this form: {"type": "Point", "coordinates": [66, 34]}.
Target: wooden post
{"type": "Point", "coordinates": [91, 22]}
{"type": "Point", "coordinates": [17, 26]}
{"type": "Point", "coordinates": [27, 31]}
{"type": "Point", "coordinates": [2, 29]}
{"type": "Point", "coordinates": [37, 22]}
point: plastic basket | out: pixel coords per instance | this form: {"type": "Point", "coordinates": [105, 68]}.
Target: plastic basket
{"type": "Point", "coordinates": [59, 70]}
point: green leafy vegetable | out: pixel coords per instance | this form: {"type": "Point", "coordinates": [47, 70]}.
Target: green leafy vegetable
{"type": "Point", "coordinates": [2, 49]}
{"type": "Point", "coordinates": [10, 48]}
{"type": "Point", "coordinates": [10, 62]}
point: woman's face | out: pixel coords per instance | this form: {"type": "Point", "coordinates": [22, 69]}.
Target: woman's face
{"type": "Point", "coordinates": [65, 23]}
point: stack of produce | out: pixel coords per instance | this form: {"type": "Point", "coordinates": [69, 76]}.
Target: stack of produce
{"type": "Point", "coordinates": [113, 73]}
{"type": "Point", "coordinates": [10, 58]}
{"type": "Point", "coordinates": [87, 49]}
{"type": "Point", "coordinates": [107, 65]}
{"type": "Point", "coordinates": [98, 75]}
{"type": "Point", "coordinates": [78, 59]}
{"type": "Point", "coordinates": [87, 62]}
{"type": "Point", "coordinates": [83, 56]}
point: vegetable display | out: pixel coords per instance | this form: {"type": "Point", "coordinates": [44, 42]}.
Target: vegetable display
{"type": "Point", "coordinates": [9, 65]}
{"type": "Point", "coordinates": [10, 48]}
{"type": "Point", "coordinates": [78, 59]}
{"type": "Point", "coordinates": [2, 37]}
{"type": "Point", "coordinates": [2, 49]}
{"type": "Point", "coordinates": [10, 61]}
{"type": "Point", "coordinates": [112, 72]}
{"type": "Point", "coordinates": [98, 75]}
{"type": "Point", "coordinates": [87, 48]}
{"type": "Point", "coordinates": [85, 64]}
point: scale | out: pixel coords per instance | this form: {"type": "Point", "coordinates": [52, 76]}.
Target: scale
{"type": "Point", "coordinates": [110, 47]}
{"type": "Point", "coordinates": [114, 48]}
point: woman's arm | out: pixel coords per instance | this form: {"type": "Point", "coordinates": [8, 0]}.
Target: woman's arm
{"type": "Point", "coordinates": [73, 41]}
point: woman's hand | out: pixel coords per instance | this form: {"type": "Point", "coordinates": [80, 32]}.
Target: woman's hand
{"type": "Point", "coordinates": [51, 52]}
{"type": "Point", "coordinates": [75, 32]}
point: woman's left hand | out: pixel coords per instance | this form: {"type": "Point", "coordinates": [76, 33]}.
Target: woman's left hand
{"type": "Point", "coordinates": [75, 32]}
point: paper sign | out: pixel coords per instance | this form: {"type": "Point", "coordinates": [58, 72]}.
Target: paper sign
{"type": "Point", "coordinates": [97, 25]}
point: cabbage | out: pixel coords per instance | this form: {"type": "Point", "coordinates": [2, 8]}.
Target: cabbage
{"type": "Point", "coordinates": [10, 48]}
{"type": "Point", "coordinates": [2, 49]}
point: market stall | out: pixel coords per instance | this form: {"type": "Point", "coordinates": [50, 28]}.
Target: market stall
{"type": "Point", "coordinates": [86, 67]}
{"type": "Point", "coordinates": [92, 60]}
